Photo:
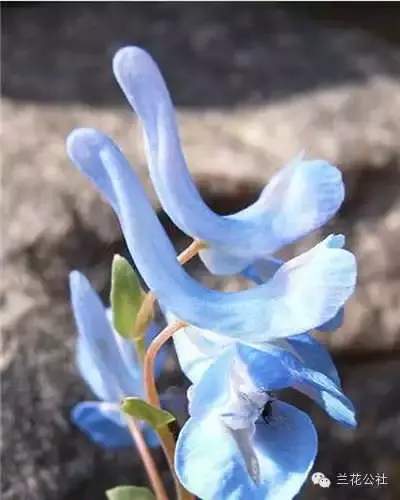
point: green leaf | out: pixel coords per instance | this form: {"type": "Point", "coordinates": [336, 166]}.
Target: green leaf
{"type": "Point", "coordinates": [137, 408]}
{"type": "Point", "coordinates": [126, 297]}
{"type": "Point", "coordinates": [129, 493]}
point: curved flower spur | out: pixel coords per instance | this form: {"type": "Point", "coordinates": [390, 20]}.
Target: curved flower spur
{"type": "Point", "coordinates": [300, 198]}
{"type": "Point", "coordinates": [304, 293]}
{"type": "Point", "coordinates": [109, 365]}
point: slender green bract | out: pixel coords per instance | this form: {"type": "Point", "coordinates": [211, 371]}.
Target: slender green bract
{"type": "Point", "coordinates": [126, 297]}
{"type": "Point", "coordinates": [137, 408]}
{"type": "Point", "coordinates": [130, 493]}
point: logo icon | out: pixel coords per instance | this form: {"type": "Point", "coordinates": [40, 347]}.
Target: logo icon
{"type": "Point", "coordinates": [318, 478]}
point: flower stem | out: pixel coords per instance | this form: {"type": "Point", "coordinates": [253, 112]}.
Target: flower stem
{"type": "Point", "coordinates": [166, 437]}
{"type": "Point", "coordinates": [147, 459]}
{"type": "Point", "coordinates": [140, 349]}
{"type": "Point", "coordinates": [154, 347]}
{"type": "Point", "coordinates": [193, 249]}
{"type": "Point", "coordinates": [145, 312]}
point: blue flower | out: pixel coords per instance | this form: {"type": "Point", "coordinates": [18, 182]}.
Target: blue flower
{"type": "Point", "coordinates": [239, 454]}
{"type": "Point", "coordinates": [109, 365]}
{"type": "Point", "coordinates": [245, 442]}
{"type": "Point", "coordinates": [304, 293]}
{"type": "Point", "coordinates": [300, 198]}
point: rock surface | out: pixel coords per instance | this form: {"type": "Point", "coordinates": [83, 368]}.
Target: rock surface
{"type": "Point", "coordinates": [254, 85]}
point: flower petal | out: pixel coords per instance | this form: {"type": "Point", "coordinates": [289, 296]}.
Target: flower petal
{"type": "Point", "coordinates": [102, 386]}
{"type": "Point", "coordinates": [232, 390]}
{"type": "Point", "coordinates": [211, 392]}
{"type": "Point", "coordinates": [314, 355]}
{"type": "Point", "coordinates": [99, 339]}
{"type": "Point", "coordinates": [285, 449]}
{"type": "Point", "coordinates": [192, 359]}
{"type": "Point", "coordinates": [323, 388]}
{"type": "Point", "coordinates": [105, 425]}
{"type": "Point", "coordinates": [328, 395]}
{"type": "Point", "coordinates": [304, 293]}
{"type": "Point", "coordinates": [263, 269]}
{"type": "Point", "coordinates": [300, 198]}
{"type": "Point", "coordinates": [196, 348]}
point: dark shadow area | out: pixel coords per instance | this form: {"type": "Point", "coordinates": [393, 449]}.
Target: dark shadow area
{"type": "Point", "coordinates": [216, 54]}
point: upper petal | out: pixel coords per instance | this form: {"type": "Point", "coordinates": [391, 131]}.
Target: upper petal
{"type": "Point", "coordinates": [263, 270]}
{"type": "Point", "coordinates": [299, 198]}
{"type": "Point", "coordinates": [285, 449]}
{"type": "Point", "coordinates": [303, 293]}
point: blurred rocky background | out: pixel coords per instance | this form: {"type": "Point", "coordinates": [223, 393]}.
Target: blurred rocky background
{"type": "Point", "coordinates": [253, 84]}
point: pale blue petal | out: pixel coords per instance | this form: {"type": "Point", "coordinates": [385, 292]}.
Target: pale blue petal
{"type": "Point", "coordinates": [217, 389]}
{"type": "Point", "coordinates": [300, 198]}
{"type": "Point", "coordinates": [211, 392]}
{"type": "Point", "coordinates": [127, 352]}
{"type": "Point", "coordinates": [290, 303]}
{"type": "Point", "coordinates": [93, 325]}
{"type": "Point", "coordinates": [328, 395]}
{"type": "Point", "coordinates": [261, 270]}
{"type": "Point", "coordinates": [192, 360]}
{"type": "Point", "coordinates": [105, 425]}
{"type": "Point", "coordinates": [334, 241]}
{"type": "Point", "coordinates": [314, 355]}
{"type": "Point", "coordinates": [91, 371]}
{"type": "Point", "coordinates": [196, 348]}
{"type": "Point", "coordinates": [323, 389]}
{"type": "Point", "coordinates": [285, 449]}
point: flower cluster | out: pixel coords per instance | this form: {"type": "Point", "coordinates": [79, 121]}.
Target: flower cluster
{"type": "Point", "coordinates": [237, 349]}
